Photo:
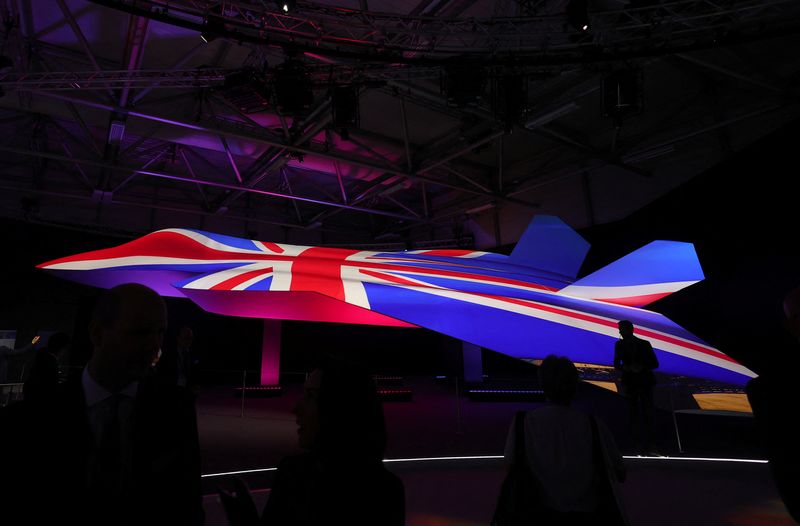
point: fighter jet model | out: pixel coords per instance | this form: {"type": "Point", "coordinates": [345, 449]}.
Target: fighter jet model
{"type": "Point", "coordinates": [526, 305]}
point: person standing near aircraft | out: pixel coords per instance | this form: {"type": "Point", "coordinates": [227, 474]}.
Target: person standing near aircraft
{"type": "Point", "coordinates": [635, 358]}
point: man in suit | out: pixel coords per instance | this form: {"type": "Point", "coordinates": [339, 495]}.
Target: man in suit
{"type": "Point", "coordinates": [636, 360]}
{"type": "Point", "coordinates": [111, 446]}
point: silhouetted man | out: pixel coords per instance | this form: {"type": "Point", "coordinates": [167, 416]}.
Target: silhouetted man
{"type": "Point", "coordinates": [7, 352]}
{"type": "Point", "coordinates": [111, 447]}
{"type": "Point", "coordinates": [774, 400]}
{"type": "Point", "coordinates": [44, 377]}
{"type": "Point", "coordinates": [636, 360]}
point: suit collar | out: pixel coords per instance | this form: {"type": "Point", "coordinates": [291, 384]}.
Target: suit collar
{"type": "Point", "coordinates": [96, 393]}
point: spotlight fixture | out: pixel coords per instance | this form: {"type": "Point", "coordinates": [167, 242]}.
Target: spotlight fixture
{"type": "Point", "coordinates": [287, 5]}
{"type": "Point", "coordinates": [578, 14]}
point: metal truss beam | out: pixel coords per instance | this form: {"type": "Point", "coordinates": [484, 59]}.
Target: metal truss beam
{"type": "Point", "coordinates": [153, 206]}
{"type": "Point", "coordinates": [213, 184]}
{"type": "Point", "coordinates": [81, 38]}
{"type": "Point", "coordinates": [118, 79]}
{"type": "Point", "coordinates": [246, 132]}
{"type": "Point", "coordinates": [567, 172]}
{"type": "Point", "coordinates": [328, 29]}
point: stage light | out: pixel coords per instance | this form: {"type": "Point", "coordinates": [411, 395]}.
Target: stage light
{"type": "Point", "coordinates": [287, 5]}
{"type": "Point", "coordinates": [578, 14]}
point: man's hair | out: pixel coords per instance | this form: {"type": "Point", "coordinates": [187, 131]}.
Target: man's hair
{"type": "Point", "coordinates": [106, 310]}
{"type": "Point", "coordinates": [559, 379]}
{"type": "Point", "coordinates": [625, 323]}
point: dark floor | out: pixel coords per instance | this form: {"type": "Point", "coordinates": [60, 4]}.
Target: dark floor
{"type": "Point", "coordinates": [435, 423]}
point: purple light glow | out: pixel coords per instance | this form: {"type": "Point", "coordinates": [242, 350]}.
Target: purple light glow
{"type": "Point", "coordinates": [271, 352]}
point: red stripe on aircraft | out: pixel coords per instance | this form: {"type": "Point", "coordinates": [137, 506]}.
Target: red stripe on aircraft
{"type": "Point", "coordinates": [273, 247]}
{"type": "Point", "coordinates": [229, 283]}
{"type": "Point", "coordinates": [635, 301]}
{"type": "Point", "coordinates": [610, 323]}
{"type": "Point", "coordinates": [393, 279]}
{"type": "Point", "coordinates": [446, 253]}
{"type": "Point", "coordinates": [574, 315]}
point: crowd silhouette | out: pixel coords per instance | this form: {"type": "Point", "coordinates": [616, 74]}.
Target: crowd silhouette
{"type": "Point", "coordinates": [118, 443]}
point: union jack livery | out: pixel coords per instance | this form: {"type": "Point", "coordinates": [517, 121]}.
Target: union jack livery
{"type": "Point", "coordinates": [526, 305]}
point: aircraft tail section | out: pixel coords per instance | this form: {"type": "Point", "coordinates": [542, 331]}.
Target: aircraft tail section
{"type": "Point", "coordinates": [645, 275]}
{"type": "Point", "coordinates": [551, 245]}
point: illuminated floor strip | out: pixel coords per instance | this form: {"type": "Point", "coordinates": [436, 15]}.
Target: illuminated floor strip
{"type": "Point", "coordinates": [498, 457]}
{"type": "Point", "coordinates": [243, 472]}
{"type": "Point", "coordinates": [700, 459]}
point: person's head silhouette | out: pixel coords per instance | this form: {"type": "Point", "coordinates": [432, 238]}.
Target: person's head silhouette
{"type": "Point", "coordinates": [625, 329]}
{"type": "Point", "coordinates": [126, 331]}
{"type": "Point", "coordinates": [791, 309]}
{"type": "Point", "coordinates": [340, 415]}
{"type": "Point", "coordinates": [559, 379]}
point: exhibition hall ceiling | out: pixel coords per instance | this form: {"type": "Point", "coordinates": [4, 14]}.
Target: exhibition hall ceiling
{"type": "Point", "coordinates": [410, 124]}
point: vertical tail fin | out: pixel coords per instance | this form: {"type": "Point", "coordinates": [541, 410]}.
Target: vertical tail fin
{"type": "Point", "coordinates": [551, 245]}
{"type": "Point", "coordinates": [643, 276]}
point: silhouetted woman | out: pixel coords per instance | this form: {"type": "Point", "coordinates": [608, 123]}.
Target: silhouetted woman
{"type": "Point", "coordinates": [573, 457]}
{"type": "Point", "coordinates": [340, 479]}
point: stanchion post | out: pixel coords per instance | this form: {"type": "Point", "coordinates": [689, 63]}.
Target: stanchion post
{"type": "Point", "coordinates": [244, 385]}
{"type": "Point", "coordinates": [459, 430]}
{"type": "Point", "coordinates": [674, 418]}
